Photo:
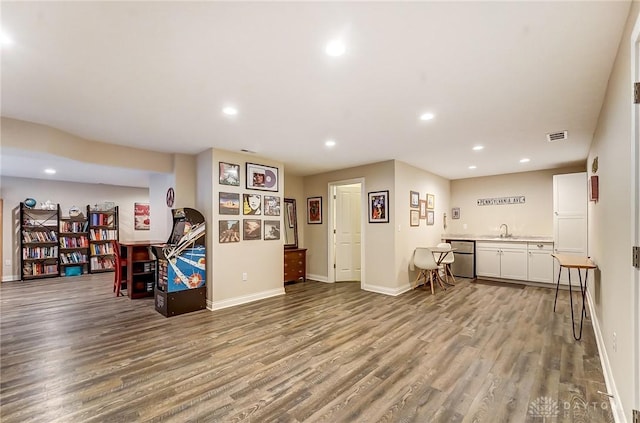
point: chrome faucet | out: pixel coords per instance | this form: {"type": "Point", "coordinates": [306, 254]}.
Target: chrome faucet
{"type": "Point", "coordinates": [506, 231]}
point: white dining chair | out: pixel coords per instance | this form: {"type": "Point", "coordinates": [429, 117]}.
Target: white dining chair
{"type": "Point", "coordinates": [446, 261]}
{"type": "Point", "coordinates": [424, 261]}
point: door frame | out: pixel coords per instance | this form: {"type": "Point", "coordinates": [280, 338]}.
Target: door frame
{"type": "Point", "coordinates": [635, 204]}
{"type": "Point", "coordinates": [331, 274]}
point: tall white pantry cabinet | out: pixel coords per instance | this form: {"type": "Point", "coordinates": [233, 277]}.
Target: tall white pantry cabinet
{"type": "Point", "coordinates": [569, 219]}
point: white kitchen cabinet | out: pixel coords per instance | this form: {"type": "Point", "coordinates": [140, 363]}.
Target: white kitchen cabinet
{"type": "Point", "coordinates": [506, 260]}
{"type": "Point", "coordinates": [540, 262]}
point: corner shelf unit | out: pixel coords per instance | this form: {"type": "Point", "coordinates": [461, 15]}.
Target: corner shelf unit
{"type": "Point", "coordinates": [74, 244]}
{"type": "Point", "coordinates": [103, 228]}
{"type": "Point", "coordinates": [38, 243]}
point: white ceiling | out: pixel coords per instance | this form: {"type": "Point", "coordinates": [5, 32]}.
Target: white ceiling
{"type": "Point", "coordinates": [156, 75]}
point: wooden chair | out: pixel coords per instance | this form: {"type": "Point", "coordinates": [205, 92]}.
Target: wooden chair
{"type": "Point", "coordinates": [118, 264]}
{"type": "Point", "coordinates": [425, 262]}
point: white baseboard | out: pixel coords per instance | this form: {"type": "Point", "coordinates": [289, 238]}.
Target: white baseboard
{"type": "Point", "coordinates": [386, 290]}
{"type": "Point", "coordinates": [318, 278]}
{"type": "Point", "coordinates": [616, 404]}
{"type": "Point", "coordinates": [218, 305]}
{"type": "Point", "coordinates": [10, 278]}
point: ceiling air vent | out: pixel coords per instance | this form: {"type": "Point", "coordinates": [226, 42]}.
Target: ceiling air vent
{"type": "Point", "coordinates": [557, 136]}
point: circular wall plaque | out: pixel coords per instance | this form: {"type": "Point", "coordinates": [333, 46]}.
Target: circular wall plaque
{"type": "Point", "coordinates": [171, 196]}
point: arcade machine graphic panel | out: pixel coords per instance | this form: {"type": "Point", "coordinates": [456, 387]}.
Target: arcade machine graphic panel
{"type": "Point", "coordinates": [181, 283]}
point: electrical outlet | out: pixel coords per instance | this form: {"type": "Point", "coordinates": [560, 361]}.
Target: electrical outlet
{"type": "Point", "coordinates": [7, 262]}
{"type": "Point", "coordinates": [615, 342]}
{"type": "Point", "coordinates": [244, 276]}
{"type": "Point", "coordinates": [464, 226]}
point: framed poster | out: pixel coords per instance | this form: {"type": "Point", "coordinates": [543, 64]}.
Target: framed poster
{"type": "Point", "coordinates": [229, 203]}
{"type": "Point", "coordinates": [430, 217]}
{"type": "Point", "coordinates": [314, 210]}
{"type": "Point", "coordinates": [414, 218]}
{"type": "Point", "coordinates": [271, 230]}
{"type": "Point", "coordinates": [229, 174]}
{"type": "Point", "coordinates": [271, 205]}
{"type": "Point", "coordinates": [252, 204]}
{"type": "Point", "coordinates": [431, 201]}
{"type": "Point", "coordinates": [423, 209]}
{"type": "Point", "coordinates": [142, 221]}
{"type": "Point", "coordinates": [251, 229]}
{"type": "Point", "coordinates": [379, 207]}
{"type": "Point", "coordinates": [414, 199]}
{"type": "Point", "coordinates": [229, 231]}
{"type": "Point", "coordinates": [264, 178]}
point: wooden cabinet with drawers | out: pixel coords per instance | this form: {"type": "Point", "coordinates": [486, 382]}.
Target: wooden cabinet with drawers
{"type": "Point", "coordinates": [295, 264]}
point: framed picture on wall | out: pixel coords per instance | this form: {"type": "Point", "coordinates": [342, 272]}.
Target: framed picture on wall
{"type": "Point", "coordinates": [251, 229]}
{"type": "Point", "coordinates": [141, 216]}
{"type": "Point", "coordinates": [229, 231]}
{"type": "Point", "coordinates": [271, 205]}
{"type": "Point", "coordinates": [379, 207]}
{"type": "Point", "coordinates": [431, 217]}
{"type": "Point", "coordinates": [229, 174]}
{"type": "Point", "coordinates": [314, 210]}
{"type": "Point", "coordinates": [414, 218]}
{"type": "Point", "coordinates": [264, 178]}
{"type": "Point", "coordinates": [271, 229]}
{"type": "Point", "coordinates": [414, 199]}
{"type": "Point", "coordinates": [431, 201]}
{"type": "Point", "coordinates": [423, 209]}
{"type": "Point", "coordinates": [229, 203]}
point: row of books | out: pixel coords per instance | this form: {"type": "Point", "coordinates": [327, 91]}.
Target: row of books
{"type": "Point", "coordinates": [67, 226]}
{"type": "Point", "coordinates": [75, 257]}
{"type": "Point", "coordinates": [102, 263]}
{"type": "Point", "coordinates": [74, 242]}
{"type": "Point", "coordinates": [103, 234]}
{"type": "Point", "coordinates": [97, 249]}
{"type": "Point", "coordinates": [102, 219]}
{"type": "Point", "coordinates": [39, 252]}
{"type": "Point", "coordinates": [34, 269]}
{"type": "Point", "coordinates": [39, 236]}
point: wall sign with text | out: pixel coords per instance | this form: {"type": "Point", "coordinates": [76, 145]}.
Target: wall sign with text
{"type": "Point", "coordinates": [516, 199]}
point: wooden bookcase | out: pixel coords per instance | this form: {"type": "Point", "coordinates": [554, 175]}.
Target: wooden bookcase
{"type": "Point", "coordinates": [140, 269]}
{"type": "Point", "coordinates": [38, 243]}
{"type": "Point", "coordinates": [74, 244]}
{"type": "Point", "coordinates": [103, 227]}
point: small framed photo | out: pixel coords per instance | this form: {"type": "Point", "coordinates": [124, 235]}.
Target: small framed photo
{"type": "Point", "coordinates": [455, 213]}
{"type": "Point", "coordinates": [229, 231]}
{"type": "Point", "coordinates": [314, 210]}
{"type": "Point", "coordinates": [379, 207]}
{"type": "Point", "coordinates": [423, 209]}
{"type": "Point", "coordinates": [414, 218]}
{"type": "Point", "coordinates": [271, 205]}
{"type": "Point", "coordinates": [251, 229]}
{"type": "Point", "coordinates": [414, 199]}
{"type": "Point", "coordinates": [431, 201]}
{"type": "Point", "coordinates": [229, 203]}
{"type": "Point", "coordinates": [430, 217]}
{"type": "Point", "coordinates": [252, 204]}
{"type": "Point", "coordinates": [229, 174]}
{"type": "Point", "coordinates": [260, 177]}
{"type": "Point", "coordinates": [271, 230]}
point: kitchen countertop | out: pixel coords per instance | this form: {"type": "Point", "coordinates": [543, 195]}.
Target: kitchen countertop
{"type": "Point", "coordinates": [510, 238]}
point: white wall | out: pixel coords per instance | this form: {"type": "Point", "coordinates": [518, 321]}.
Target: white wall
{"type": "Point", "coordinates": [610, 223]}
{"type": "Point", "coordinates": [67, 194]}
{"type": "Point", "coordinates": [534, 217]}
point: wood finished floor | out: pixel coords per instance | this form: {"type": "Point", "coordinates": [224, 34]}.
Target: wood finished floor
{"type": "Point", "coordinates": [72, 352]}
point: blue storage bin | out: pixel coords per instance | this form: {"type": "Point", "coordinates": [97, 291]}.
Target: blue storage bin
{"type": "Point", "coordinates": [73, 271]}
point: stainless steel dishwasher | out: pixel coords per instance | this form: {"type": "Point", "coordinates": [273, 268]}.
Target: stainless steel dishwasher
{"type": "Point", "coordinates": [464, 263]}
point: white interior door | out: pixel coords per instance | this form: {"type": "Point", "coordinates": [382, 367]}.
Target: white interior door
{"type": "Point", "coordinates": [635, 198]}
{"type": "Point", "coordinates": [347, 232]}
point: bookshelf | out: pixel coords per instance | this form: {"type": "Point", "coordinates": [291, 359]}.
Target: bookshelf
{"type": "Point", "coordinates": [73, 254]}
{"type": "Point", "coordinates": [38, 243]}
{"type": "Point", "coordinates": [103, 227]}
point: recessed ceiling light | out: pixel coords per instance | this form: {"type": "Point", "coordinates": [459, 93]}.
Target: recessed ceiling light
{"type": "Point", "coordinates": [335, 48]}
{"type": "Point", "coordinates": [230, 111]}
{"type": "Point", "coordinates": [5, 40]}
{"type": "Point", "coordinates": [427, 116]}
{"type": "Point", "coordinates": [50, 171]}
{"type": "Point", "coordinates": [330, 143]}
{"type": "Point", "coordinates": [525, 160]}
{"type": "Point", "coordinates": [472, 167]}
{"type": "Point", "coordinates": [478, 147]}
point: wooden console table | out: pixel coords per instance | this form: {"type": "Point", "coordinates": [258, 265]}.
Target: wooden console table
{"type": "Point", "coordinates": [295, 264]}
